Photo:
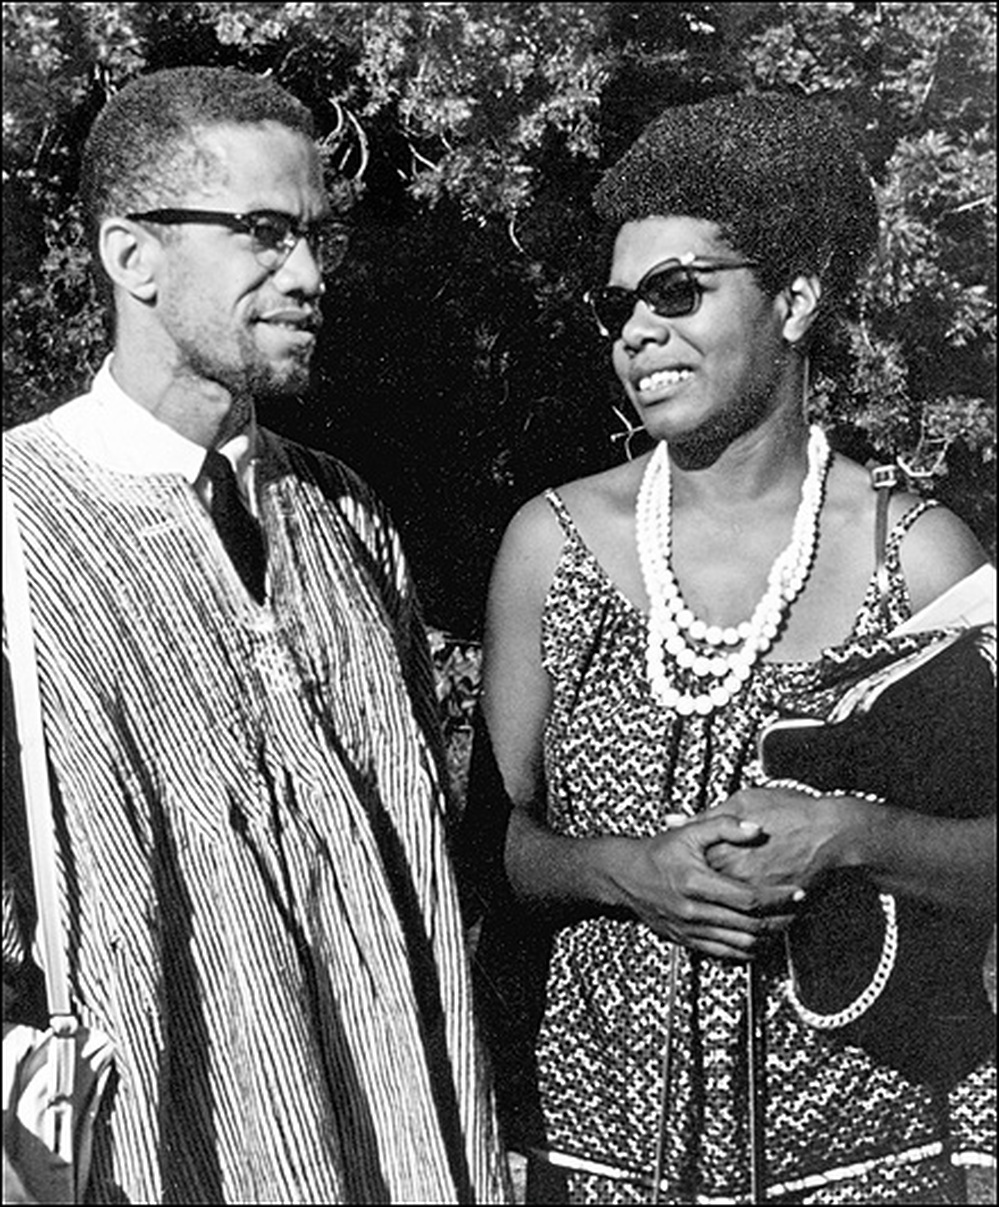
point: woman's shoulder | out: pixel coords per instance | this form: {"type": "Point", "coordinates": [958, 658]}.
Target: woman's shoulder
{"type": "Point", "coordinates": [937, 551]}
{"type": "Point", "coordinates": [595, 498]}
{"type": "Point", "coordinates": [936, 548]}
{"type": "Point", "coordinates": [618, 483]}
{"type": "Point", "coordinates": [604, 498]}
{"type": "Point", "coordinates": [594, 508]}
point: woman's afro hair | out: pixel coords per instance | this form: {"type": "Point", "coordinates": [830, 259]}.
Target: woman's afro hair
{"type": "Point", "coordinates": [781, 176]}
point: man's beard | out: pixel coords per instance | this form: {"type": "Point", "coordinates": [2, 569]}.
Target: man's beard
{"type": "Point", "coordinates": [265, 381]}
{"type": "Point", "coordinates": [254, 379]}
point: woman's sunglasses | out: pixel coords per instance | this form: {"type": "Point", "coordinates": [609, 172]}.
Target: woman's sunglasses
{"type": "Point", "coordinates": [670, 289]}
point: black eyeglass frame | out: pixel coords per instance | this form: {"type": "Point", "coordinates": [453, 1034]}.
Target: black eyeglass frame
{"type": "Point", "coordinates": [615, 296]}
{"type": "Point", "coordinates": [316, 234]}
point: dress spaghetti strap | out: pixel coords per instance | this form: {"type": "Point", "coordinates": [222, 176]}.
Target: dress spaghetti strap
{"type": "Point", "coordinates": [565, 520]}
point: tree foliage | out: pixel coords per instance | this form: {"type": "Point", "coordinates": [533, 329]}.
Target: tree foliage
{"type": "Point", "coordinates": [459, 373]}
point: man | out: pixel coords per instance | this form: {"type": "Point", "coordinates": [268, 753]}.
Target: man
{"type": "Point", "coordinates": [239, 707]}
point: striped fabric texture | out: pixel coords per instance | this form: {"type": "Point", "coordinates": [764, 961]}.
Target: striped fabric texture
{"type": "Point", "coordinates": [252, 835]}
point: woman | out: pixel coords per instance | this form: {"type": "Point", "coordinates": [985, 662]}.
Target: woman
{"type": "Point", "coordinates": [643, 624]}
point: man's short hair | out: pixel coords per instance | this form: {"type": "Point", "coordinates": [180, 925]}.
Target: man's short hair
{"type": "Point", "coordinates": [780, 175]}
{"type": "Point", "coordinates": [143, 151]}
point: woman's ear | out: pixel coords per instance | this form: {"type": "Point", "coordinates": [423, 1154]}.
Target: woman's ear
{"type": "Point", "coordinates": [801, 306]}
{"type": "Point", "coordinates": [130, 256]}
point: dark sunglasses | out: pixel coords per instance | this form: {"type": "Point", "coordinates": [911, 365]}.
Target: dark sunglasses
{"type": "Point", "coordinates": [670, 290]}
{"type": "Point", "coordinates": [273, 235]}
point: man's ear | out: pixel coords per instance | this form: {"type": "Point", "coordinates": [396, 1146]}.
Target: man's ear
{"type": "Point", "coordinates": [801, 306]}
{"type": "Point", "coordinates": [130, 256]}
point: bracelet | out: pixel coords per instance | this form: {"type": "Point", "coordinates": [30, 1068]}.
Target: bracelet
{"type": "Point", "coordinates": [889, 947]}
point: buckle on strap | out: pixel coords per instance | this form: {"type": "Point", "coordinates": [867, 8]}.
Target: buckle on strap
{"type": "Point", "coordinates": [884, 477]}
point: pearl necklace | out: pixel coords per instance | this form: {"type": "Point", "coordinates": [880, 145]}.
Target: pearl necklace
{"type": "Point", "coordinates": [720, 658]}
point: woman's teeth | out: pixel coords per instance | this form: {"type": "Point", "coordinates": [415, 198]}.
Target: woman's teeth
{"type": "Point", "coordinates": [665, 377]}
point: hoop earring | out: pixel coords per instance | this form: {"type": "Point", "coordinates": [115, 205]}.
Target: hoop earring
{"type": "Point", "coordinates": [630, 431]}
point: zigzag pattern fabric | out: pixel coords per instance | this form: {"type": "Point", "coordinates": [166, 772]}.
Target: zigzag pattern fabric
{"type": "Point", "coordinates": [252, 841]}
{"type": "Point", "coordinates": [839, 1128]}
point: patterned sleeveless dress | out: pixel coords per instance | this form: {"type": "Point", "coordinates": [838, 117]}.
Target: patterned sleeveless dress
{"type": "Point", "coordinates": [838, 1127]}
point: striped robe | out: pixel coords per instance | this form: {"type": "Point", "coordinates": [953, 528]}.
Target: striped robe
{"type": "Point", "coordinates": [251, 834]}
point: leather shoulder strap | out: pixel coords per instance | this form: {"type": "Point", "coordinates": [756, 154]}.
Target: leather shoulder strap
{"type": "Point", "coordinates": [34, 767]}
{"type": "Point", "coordinates": [884, 479]}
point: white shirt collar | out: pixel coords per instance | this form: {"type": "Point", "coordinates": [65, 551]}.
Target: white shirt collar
{"type": "Point", "coordinates": [106, 425]}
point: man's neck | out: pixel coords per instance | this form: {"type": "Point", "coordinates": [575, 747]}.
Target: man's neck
{"type": "Point", "coordinates": [202, 411]}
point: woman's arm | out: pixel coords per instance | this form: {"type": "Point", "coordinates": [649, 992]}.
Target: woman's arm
{"type": "Point", "coordinates": [665, 880]}
{"type": "Point", "coordinates": [949, 861]}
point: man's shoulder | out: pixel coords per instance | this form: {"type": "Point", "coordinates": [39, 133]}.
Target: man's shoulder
{"type": "Point", "coordinates": [351, 506]}
{"type": "Point", "coordinates": [28, 441]}
{"type": "Point", "coordinates": [26, 432]}
{"type": "Point", "coordinates": [336, 480]}
{"type": "Point", "coordinates": [306, 462]}
{"type": "Point", "coordinates": [37, 430]}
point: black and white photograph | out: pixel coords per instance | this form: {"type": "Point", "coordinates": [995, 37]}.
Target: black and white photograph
{"type": "Point", "coordinates": [499, 624]}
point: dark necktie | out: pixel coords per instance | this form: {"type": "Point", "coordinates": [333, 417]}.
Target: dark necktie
{"type": "Point", "coordinates": [239, 531]}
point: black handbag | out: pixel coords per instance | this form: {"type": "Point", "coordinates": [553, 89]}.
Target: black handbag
{"type": "Point", "coordinates": [900, 977]}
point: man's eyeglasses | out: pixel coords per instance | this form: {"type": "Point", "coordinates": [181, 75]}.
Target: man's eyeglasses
{"type": "Point", "coordinates": [273, 235]}
{"type": "Point", "coordinates": [670, 289]}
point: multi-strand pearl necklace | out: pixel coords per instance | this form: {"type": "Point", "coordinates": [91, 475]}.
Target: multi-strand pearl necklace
{"type": "Point", "coordinates": [720, 659]}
